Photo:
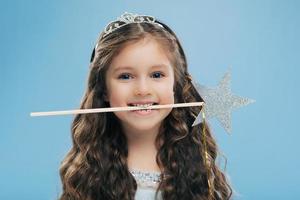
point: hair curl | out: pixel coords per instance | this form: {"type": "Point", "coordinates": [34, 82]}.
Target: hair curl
{"type": "Point", "coordinates": [96, 166]}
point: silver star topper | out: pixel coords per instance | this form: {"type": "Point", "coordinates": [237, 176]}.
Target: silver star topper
{"type": "Point", "coordinates": [219, 102]}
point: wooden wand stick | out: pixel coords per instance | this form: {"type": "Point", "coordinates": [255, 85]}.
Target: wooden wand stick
{"type": "Point", "coordinates": [114, 109]}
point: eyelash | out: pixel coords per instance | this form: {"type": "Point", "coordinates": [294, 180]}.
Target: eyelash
{"type": "Point", "coordinates": [160, 73]}
{"type": "Point", "coordinates": [122, 76]}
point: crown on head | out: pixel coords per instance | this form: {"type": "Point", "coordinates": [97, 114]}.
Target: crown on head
{"type": "Point", "coordinates": [128, 18]}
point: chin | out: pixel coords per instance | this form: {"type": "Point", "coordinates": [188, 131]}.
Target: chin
{"type": "Point", "coordinates": [143, 128]}
{"type": "Point", "coordinates": [146, 127]}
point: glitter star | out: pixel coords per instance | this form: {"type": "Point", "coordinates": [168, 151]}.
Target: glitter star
{"type": "Point", "coordinates": [219, 102]}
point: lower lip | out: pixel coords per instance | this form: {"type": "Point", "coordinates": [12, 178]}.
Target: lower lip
{"type": "Point", "coordinates": [143, 112]}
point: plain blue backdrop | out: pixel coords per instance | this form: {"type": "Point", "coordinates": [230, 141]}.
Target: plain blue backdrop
{"type": "Point", "coordinates": [44, 57]}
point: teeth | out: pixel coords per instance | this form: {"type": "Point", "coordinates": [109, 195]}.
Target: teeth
{"type": "Point", "coordinates": [143, 105]}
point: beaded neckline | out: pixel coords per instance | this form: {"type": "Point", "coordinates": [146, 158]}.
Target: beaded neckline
{"type": "Point", "coordinates": [146, 178]}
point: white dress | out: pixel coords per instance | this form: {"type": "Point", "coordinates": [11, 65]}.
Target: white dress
{"type": "Point", "coordinates": [147, 183]}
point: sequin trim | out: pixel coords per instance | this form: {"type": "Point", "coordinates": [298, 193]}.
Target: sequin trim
{"type": "Point", "coordinates": [146, 179]}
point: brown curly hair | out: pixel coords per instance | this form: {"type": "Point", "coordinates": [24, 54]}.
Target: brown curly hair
{"type": "Point", "coordinates": [96, 166]}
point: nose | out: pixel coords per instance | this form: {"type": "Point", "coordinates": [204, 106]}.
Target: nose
{"type": "Point", "coordinates": [142, 87]}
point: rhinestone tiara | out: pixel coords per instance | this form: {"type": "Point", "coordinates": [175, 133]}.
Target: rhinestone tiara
{"type": "Point", "coordinates": [128, 18]}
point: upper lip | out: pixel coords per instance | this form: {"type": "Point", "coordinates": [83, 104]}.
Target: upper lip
{"type": "Point", "coordinates": [142, 102]}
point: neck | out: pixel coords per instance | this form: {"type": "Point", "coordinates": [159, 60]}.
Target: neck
{"type": "Point", "coordinates": [142, 150]}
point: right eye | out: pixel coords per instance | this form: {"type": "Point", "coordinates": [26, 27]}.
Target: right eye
{"type": "Point", "coordinates": [124, 76]}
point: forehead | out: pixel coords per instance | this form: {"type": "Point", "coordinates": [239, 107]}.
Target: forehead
{"type": "Point", "coordinates": [145, 52]}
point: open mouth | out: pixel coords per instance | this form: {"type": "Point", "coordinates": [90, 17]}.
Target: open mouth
{"type": "Point", "coordinates": [142, 105]}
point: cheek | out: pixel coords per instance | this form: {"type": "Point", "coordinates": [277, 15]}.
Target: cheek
{"type": "Point", "coordinates": [112, 98]}
{"type": "Point", "coordinates": [116, 94]}
{"type": "Point", "coordinates": [166, 93]}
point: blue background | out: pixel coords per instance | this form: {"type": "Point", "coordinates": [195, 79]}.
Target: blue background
{"type": "Point", "coordinates": [45, 50]}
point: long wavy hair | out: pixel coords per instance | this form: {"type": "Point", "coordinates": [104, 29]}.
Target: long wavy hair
{"type": "Point", "coordinates": [96, 166]}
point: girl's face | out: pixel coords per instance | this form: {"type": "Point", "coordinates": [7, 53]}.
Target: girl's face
{"type": "Point", "coordinates": [140, 74]}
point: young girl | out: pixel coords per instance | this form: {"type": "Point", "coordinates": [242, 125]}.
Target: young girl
{"type": "Point", "coordinates": [144, 154]}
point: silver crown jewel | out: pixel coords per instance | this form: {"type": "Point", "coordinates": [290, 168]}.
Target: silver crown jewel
{"type": "Point", "coordinates": [128, 18]}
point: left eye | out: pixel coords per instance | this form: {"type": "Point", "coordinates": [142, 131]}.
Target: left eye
{"type": "Point", "coordinates": [124, 76]}
{"type": "Point", "coordinates": [157, 75]}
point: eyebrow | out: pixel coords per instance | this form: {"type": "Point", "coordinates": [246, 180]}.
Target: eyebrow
{"type": "Point", "coordinates": [130, 68]}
